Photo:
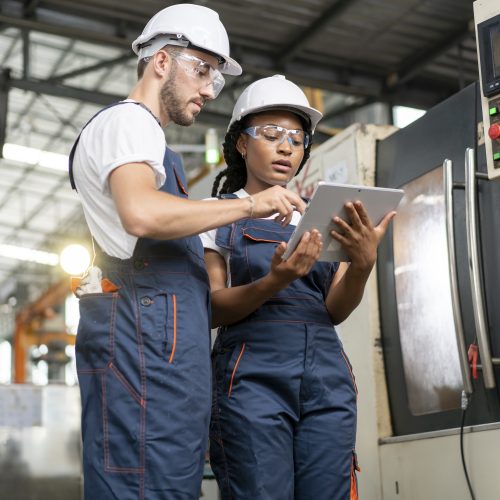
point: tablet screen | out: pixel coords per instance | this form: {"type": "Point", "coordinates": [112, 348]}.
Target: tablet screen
{"type": "Point", "coordinates": [328, 200]}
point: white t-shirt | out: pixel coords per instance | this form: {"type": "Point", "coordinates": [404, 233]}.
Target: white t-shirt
{"type": "Point", "coordinates": [208, 238]}
{"type": "Point", "coordinates": [126, 133]}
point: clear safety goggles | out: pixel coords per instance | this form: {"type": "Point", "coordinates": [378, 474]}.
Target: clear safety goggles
{"type": "Point", "coordinates": [200, 70]}
{"type": "Point", "coordinates": [272, 133]}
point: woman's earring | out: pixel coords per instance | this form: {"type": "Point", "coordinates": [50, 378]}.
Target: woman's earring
{"type": "Point", "coordinates": [244, 155]}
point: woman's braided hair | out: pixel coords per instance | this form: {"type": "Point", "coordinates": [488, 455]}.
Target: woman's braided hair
{"type": "Point", "coordinates": [236, 171]}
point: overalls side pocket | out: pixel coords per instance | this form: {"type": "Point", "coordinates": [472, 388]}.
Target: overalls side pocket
{"type": "Point", "coordinates": [110, 404]}
{"type": "Point", "coordinates": [158, 322]}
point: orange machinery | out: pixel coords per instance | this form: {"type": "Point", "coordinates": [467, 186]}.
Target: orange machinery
{"type": "Point", "coordinates": [29, 327]}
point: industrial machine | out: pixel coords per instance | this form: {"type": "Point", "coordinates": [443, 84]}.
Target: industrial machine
{"type": "Point", "coordinates": [487, 20]}
{"type": "Point", "coordinates": [425, 341]}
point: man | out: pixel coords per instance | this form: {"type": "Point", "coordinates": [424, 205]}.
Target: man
{"type": "Point", "coordinates": [143, 339]}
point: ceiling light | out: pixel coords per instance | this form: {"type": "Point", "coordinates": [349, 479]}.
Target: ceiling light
{"type": "Point", "coordinates": [28, 254]}
{"type": "Point", "coordinates": [34, 156]}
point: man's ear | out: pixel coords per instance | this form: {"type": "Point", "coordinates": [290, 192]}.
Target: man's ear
{"type": "Point", "coordinates": [161, 62]}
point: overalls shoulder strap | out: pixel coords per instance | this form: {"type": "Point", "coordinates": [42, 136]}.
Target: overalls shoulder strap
{"type": "Point", "coordinates": [73, 149]}
{"type": "Point", "coordinates": [173, 160]}
{"type": "Point", "coordinates": [223, 233]}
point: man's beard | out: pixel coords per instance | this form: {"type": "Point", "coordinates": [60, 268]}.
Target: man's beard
{"type": "Point", "coordinates": [172, 104]}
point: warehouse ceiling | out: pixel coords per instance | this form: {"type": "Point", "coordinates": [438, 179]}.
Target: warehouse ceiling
{"type": "Point", "coordinates": [60, 60]}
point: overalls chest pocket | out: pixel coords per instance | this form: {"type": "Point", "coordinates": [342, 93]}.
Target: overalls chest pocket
{"type": "Point", "coordinates": [176, 184]}
{"type": "Point", "coordinates": [257, 246]}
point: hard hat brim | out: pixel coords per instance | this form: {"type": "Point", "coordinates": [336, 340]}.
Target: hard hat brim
{"type": "Point", "coordinates": [309, 113]}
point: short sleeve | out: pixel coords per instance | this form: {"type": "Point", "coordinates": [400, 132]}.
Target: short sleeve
{"type": "Point", "coordinates": [127, 133]}
{"type": "Point", "coordinates": [208, 240]}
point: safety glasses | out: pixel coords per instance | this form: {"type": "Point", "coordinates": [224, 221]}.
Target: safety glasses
{"type": "Point", "coordinates": [274, 134]}
{"type": "Point", "coordinates": [201, 71]}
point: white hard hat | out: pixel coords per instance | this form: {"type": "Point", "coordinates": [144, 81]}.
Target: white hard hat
{"type": "Point", "coordinates": [186, 25]}
{"type": "Point", "coordinates": [274, 92]}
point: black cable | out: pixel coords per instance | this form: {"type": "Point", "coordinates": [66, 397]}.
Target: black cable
{"type": "Point", "coordinates": [464, 410]}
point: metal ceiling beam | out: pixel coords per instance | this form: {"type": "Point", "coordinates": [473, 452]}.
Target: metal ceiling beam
{"type": "Point", "coordinates": [57, 90]}
{"type": "Point", "coordinates": [414, 65]}
{"type": "Point", "coordinates": [65, 31]}
{"type": "Point", "coordinates": [101, 98]}
{"type": "Point", "coordinates": [208, 116]}
{"type": "Point", "coordinates": [4, 101]}
{"type": "Point", "coordinates": [328, 76]}
{"type": "Point", "coordinates": [97, 10]}
{"type": "Point", "coordinates": [326, 17]}
{"type": "Point", "coordinates": [6, 55]}
{"type": "Point", "coordinates": [16, 186]}
{"type": "Point", "coordinates": [94, 67]}
{"type": "Point", "coordinates": [333, 79]}
{"type": "Point", "coordinates": [26, 53]}
{"type": "Point", "coordinates": [95, 37]}
{"type": "Point", "coordinates": [29, 8]}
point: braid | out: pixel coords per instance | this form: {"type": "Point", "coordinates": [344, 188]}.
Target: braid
{"type": "Point", "coordinates": [236, 171]}
{"type": "Point", "coordinates": [215, 185]}
{"type": "Point", "coordinates": [307, 152]}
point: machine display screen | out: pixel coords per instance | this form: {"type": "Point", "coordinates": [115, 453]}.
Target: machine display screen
{"type": "Point", "coordinates": [489, 55]}
{"type": "Point", "coordinates": [495, 49]}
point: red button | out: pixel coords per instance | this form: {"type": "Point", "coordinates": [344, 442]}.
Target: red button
{"type": "Point", "coordinates": [494, 131]}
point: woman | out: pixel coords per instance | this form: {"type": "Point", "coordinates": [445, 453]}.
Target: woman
{"type": "Point", "coordinates": [284, 405]}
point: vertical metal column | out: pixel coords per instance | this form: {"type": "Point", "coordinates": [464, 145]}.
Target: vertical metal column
{"type": "Point", "coordinates": [4, 100]}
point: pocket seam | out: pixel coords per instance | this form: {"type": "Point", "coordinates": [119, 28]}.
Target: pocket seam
{"type": "Point", "coordinates": [121, 378]}
{"type": "Point", "coordinates": [350, 372]}
{"type": "Point", "coordinates": [174, 327]}
{"type": "Point", "coordinates": [248, 237]}
{"type": "Point", "coordinates": [235, 369]}
{"type": "Point", "coordinates": [106, 442]}
{"type": "Point", "coordinates": [114, 296]}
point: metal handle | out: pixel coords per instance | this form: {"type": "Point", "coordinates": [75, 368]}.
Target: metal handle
{"type": "Point", "coordinates": [475, 269]}
{"type": "Point", "coordinates": [452, 270]}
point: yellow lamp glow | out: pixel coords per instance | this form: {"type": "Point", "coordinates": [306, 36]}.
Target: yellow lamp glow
{"type": "Point", "coordinates": [75, 259]}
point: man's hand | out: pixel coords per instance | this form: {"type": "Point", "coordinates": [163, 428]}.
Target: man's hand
{"type": "Point", "coordinates": [277, 200]}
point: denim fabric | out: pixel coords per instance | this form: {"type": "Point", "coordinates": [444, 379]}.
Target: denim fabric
{"type": "Point", "coordinates": [143, 360]}
{"type": "Point", "coordinates": [284, 397]}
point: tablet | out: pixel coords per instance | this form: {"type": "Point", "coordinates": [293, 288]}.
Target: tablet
{"type": "Point", "coordinates": [328, 200]}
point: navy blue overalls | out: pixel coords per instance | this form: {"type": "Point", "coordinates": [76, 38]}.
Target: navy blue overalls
{"type": "Point", "coordinates": [284, 404]}
{"type": "Point", "coordinates": [143, 360]}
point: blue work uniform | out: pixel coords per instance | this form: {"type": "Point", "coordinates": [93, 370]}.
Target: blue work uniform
{"type": "Point", "coordinates": [143, 362]}
{"type": "Point", "coordinates": [284, 397]}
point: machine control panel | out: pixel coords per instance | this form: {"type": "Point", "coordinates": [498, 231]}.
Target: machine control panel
{"type": "Point", "coordinates": [487, 21]}
{"type": "Point", "coordinates": [494, 130]}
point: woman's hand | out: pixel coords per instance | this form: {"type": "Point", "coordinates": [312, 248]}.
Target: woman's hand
{"type": "Point", "coordinates": [300, 261]}
{"type": "Point", "coordinates": [232, 304]}
{"type": "Point", "coordinates": [360, 239]}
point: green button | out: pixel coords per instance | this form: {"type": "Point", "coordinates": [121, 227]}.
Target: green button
{"type": "Point", "coordinates": [496, 156]}
{"type": "Point", "coordinates": [493, 110]}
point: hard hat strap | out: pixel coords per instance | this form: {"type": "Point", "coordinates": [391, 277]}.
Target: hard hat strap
{"type": "Point", "coordinates": [151, 47]}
